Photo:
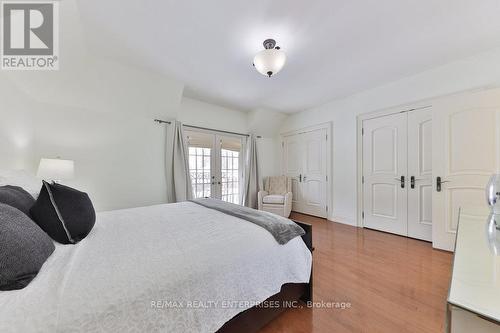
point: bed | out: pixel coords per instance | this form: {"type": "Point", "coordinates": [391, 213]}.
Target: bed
{"type": "Point", "coordinates": [166, 268]}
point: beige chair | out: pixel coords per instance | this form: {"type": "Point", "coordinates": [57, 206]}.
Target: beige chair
{"type": "Point", "coordinates": [277, 196]}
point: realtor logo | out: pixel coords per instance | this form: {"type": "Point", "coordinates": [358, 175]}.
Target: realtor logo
{"type": "Point", "coordinates": [30, 35]}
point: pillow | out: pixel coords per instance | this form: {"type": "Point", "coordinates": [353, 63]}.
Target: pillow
{"type": "Point", "coordinates": [21, 178]}
{"type": "Point", "coordinates": [16, 197]}
{"type": "Point", "coordinates": [64, 213]}
{"type": "Point", "coordinates": [24, 248]}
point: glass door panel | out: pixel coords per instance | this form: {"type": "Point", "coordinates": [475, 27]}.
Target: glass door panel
{"type": "Point", "coordinates": [200, 149]}
{"type": "Point", "coordinates": [231, 174]}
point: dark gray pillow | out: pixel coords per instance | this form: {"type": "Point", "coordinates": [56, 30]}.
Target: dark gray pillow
{"type": "Point", "coordinates": [65, 214]}
{"type": "Point", "coordinates": [16, 197]}
{"type": "Point", "coordinates": [24, 247]}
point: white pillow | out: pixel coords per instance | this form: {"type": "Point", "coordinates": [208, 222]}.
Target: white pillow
{"type": "Point", "coordinates": [29, 182]}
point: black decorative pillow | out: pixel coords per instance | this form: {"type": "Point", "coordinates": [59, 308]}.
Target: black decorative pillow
{"type": "Point", "coordinates": [24, 247]}
{"type": "Point", "coordinates": [16, 197]}
{"type": "Point", "coordinates": [64, 213]}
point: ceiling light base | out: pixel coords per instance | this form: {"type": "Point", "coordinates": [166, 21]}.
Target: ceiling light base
{"type": "Point", "coordinates": [269, 44]}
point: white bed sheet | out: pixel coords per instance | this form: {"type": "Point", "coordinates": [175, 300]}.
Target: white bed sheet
{"type": "Point", "coordinates": [136, 261]}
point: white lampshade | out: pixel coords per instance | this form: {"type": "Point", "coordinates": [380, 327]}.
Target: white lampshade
{"type": "Point", "coordinates": [56, 169]}
{"type": "Point", "coordinates": [269, 61]}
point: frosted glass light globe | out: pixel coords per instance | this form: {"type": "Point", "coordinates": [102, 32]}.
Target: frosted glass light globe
{"type": "Point", "coordinates": [269, 61]}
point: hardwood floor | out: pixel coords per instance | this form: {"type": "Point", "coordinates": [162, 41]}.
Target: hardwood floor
{"type": "Point", "coordinates": [393, 283]}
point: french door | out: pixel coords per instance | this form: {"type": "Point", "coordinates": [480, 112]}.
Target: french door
{"type": "Point", "coordinates": [215, 165]}
{"type": "Point", "coordinates": [397, 174]}
{"type": "Point", "coordinates": [305, 161]}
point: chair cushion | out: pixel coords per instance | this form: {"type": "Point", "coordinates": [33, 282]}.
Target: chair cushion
{"type": "Point", "coordinates": [277, 185]}
{"type": "Point", "coordinates": [274, 199]}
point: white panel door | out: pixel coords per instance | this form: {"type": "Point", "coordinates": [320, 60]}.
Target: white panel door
{"type": "Point", "coordinates": [420, 173]}
{"type": "Point", "coordinates": [314, 173]}
{"type": "Point", "coordinates": [305, 161]}
{"type": "Point", "coordinates": [466, 151]}
{"type": "Point", "coordinates": [384, 165]}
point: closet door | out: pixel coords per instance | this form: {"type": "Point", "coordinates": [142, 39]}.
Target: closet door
{"type": "Point", "coordinates": [420, 173]}
{"type": "Point", "coordinates": [305, 161]}
{"type": "Point", "coordinates": [314, 173]}
{"type": "Point", "coordinates": [385, 173]}
{"type": "Point", "coordinates": [466, 151]}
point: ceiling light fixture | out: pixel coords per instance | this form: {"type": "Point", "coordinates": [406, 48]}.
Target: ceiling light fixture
{"type": "Point", "coordinates": [271, 60]}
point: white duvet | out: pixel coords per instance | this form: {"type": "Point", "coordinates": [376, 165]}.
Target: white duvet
{"type": "Point", "coordinates": [167, 268]}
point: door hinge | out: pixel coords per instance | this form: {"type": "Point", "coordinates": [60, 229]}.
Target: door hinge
{"type": "Point", "coordinates": [362, 179]}
{"type": "Point", "coordinates": [327, 137]}
{"type": "Point", "coordinates": [326, 177]}
{"type": "Point", "coordinates": [363, 131]}
{"type": "Point", "coordinates": [283, 144]}
{"type": "Point", "coordinates": [327, 208]}
{"type": "Point", "coordinates": [362, 215]}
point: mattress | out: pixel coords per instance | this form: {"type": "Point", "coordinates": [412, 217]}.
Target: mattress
{"type": "Point", "coordinates": [166, 268]}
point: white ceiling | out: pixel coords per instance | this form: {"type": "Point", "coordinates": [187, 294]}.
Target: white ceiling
{"type": "Point", "coordinates": [334, 48]}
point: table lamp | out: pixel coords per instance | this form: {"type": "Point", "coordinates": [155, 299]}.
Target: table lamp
{"type": "Point", "coordinates": [56, 169]}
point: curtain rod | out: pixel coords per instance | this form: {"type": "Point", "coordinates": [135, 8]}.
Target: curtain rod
{"type": "Point", "coordinates": [159, 121]}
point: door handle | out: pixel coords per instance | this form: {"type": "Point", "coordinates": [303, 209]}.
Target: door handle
{"type": "Point", "coordinates": [300, 178]}
{"type": "Point", "coordinates": [413, 180]}
{"type": "Point", "coordinates": [439, 182]}
{"type": "Point", "coordinates": [402, 180]}
{"type": "Point", "coordinates": [304, 178]}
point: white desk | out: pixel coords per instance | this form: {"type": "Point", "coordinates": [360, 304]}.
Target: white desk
{"type": "Point", "coordinates": [474, 297]}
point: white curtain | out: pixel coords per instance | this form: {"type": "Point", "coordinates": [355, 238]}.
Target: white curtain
{"type": "Point", "coordinates": [177, 165]}
{"type": "Point", "coordinates": [251, 181]}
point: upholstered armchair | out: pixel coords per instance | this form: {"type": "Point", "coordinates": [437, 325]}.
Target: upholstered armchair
{"type": "Point", "coordinates": [277, 196]}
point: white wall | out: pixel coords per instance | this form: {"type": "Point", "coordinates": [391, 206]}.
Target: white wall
{"type": "Point", "coordinates": [479, 71]}
{"type": "Point", "coordinates": [117, 148]}
{"type": "Point", "coordinates": [197, 113]}
{"type": "Point", "coordinates": [96, 112]}
{"type": "Point", "coordinates": [266, 123]}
